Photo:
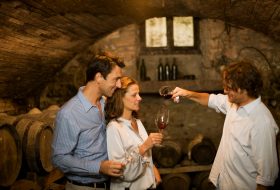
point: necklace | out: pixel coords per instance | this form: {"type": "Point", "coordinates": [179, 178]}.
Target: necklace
{"type": "Point", "coordinates": [134, 125]}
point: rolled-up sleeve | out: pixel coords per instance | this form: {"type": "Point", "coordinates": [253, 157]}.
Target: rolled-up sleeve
{"type": "Point", "coordinates": [219, 102]}
{"type": "Point", "coordinates": [264, 152]}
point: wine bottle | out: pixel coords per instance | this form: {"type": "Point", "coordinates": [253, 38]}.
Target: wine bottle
{"type": "Point", "coordinates": [174, 70]}
{"type": "Point", "coordinates": [142, 71]}
{"type": "Point", "coordinates": [160, 71]}
{"type": "Point", "coordinates": [167, 70]}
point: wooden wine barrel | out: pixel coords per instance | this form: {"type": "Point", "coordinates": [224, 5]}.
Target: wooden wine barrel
{"type": "Point", "coordinates": [38, 147]}
{"type": "Point", "coordinates": [11, 154]}
{"type": "Point", "coordinates": [201, 182]}
{"type": "Point", "coordinates": [33, 114]}
{"type": "Point", "coordinates": [168, 155]}
{"type": "Point", "coordinates": [22, 128]}
{"type": "Point", "coordinates": [34, 111]}
{"type": "Point", "coordinates": [49, 115]}
{"type": "Point", "coordinates": [53, 108]}
{"type": "Point", "coordinates": [177, 181]}
{"type": "Point", "coordinates": [7, 119]}
{"type": "Point", "coordinates": [202, 150]}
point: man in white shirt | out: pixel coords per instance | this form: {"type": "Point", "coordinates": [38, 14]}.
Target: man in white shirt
{"type": "Point", "coordinates": [247, 155]}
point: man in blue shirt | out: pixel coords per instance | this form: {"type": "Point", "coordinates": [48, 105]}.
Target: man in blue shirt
{"type": "Point", "coordinates": [79, 141]}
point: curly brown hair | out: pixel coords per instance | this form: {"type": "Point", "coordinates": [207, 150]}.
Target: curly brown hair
{"type": "Point", "coordinates": [245, 76]}
{"type": "Point", "coordinates": [114, 106]}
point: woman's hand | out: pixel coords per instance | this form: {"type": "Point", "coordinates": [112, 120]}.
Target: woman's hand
{"type": "Point", "coordinates": [153, 139]}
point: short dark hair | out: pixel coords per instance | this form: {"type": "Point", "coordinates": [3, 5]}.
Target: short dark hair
{"type": "Point", "coordinates": [114, 105]}
{"type": "Point", "coordinates": [103, 64]}
{"type": "Point", "coordinates": [245, 76]}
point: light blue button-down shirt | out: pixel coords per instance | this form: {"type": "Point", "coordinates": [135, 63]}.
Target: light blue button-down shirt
{"type": "Point", "coordinates": [79, 141]}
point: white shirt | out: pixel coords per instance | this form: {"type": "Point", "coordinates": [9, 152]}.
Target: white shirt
{"type": "Point", "coordinates": [121, 140]}
{"type": "Point", "coordinates": [247, 153]}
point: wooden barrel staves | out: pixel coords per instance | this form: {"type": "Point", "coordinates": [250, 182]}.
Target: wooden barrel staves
{"type": "Point", "coordinates": [11, 154]}
{"type": "Point", "coordinates": [202, 150]}
{"type": "Point", "coordinates": [7, 119]}
{"type": "Point", "coordinates": [22, 128]}
{"type": "Point", "coordinates": [176, 181]}
{"type": "Point", "coordinates": [36, 137]}
{"type": "Point", "coordinates": [48, 115]}
{"type": "Point", "coordinates": [33, 114]}
{"type": "Point", "coordinates": [168, 155]}
{"type": "Point", "coordinates": [38, 147]}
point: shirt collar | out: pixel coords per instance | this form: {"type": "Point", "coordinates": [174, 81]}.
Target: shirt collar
{"type": "Point", "coordinates": [125, 121]}
{"type": "Point", "coordinates": [249, 107]}
{"type": "Point", "coordinates": [86, 104]}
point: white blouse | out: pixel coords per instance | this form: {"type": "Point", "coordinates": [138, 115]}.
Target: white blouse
{"type": "Point", "coordinates": [122, 145]}
{"type": "Point", "coordinates": [247, 153]}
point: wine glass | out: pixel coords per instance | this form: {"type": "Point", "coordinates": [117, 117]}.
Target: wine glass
{"type": "Point", "coordinates": [166, 92]}
{"type": "Point", "coordinates": [129, 157]}
{"type": "Point", "coordinates": [162, 118]}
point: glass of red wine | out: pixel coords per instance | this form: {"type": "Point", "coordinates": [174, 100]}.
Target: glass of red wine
{"type": "Point", "coordinates": [166, 92]}
{"type": "Point", "coordinates": [162, 118]}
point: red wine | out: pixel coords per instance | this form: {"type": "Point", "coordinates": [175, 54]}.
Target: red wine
{"type": "Point", "coordinates": [161, 125]}
{"type": "Point", "coordinates": [167, 96]}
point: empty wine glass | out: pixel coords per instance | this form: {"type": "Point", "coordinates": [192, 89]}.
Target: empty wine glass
{"type": "Point", "coordinates": [129, 157]}
{"type": "Point", "coordinates": [166, 92]}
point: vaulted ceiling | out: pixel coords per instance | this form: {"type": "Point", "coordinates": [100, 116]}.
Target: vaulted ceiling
{"type": "Point", "coordinates": [38, 37]}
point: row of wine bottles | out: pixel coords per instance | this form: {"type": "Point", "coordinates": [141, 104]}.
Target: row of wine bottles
{"type": "Point", "coordinates": [164, 71]}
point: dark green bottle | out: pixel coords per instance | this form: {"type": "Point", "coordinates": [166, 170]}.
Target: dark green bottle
{"type": "Point", "coordinates": [174, 70]}
{"type": "Point", "coordinates": [142, 71]}
{"type": "Point", "coordinates": [167, 70]}
{"type": "Point", "coordinates": [160, 71]}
